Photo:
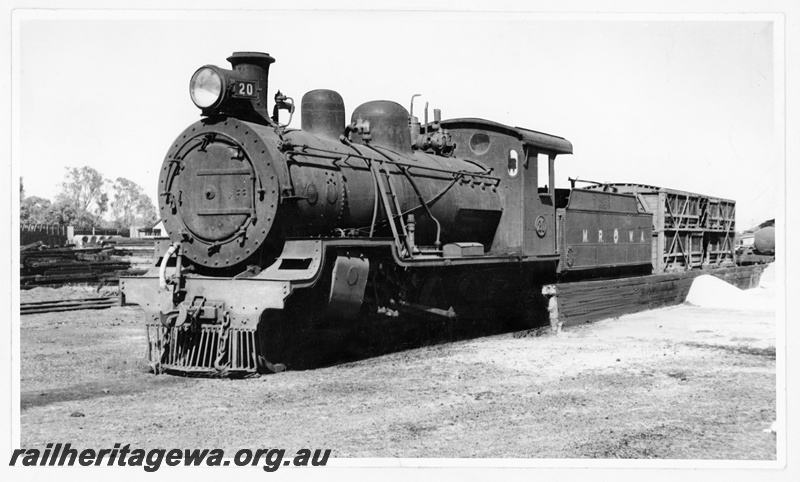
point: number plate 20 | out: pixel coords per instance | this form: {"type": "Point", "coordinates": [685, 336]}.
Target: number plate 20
{"type": "Point", "coordinates": [244, 89]}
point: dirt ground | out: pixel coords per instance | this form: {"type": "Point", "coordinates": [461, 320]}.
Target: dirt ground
{"type": "Point", "coordinates": [687, 382]}
{"type": "Point", "coordinates": [69, 292]}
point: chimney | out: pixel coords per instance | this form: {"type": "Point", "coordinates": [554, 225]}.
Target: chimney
{"type": "Point", "coordinates": [254, 66]}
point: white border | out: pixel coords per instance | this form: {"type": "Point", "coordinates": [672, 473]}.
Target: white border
{"type": "Point", "coordinates": [785, 32]}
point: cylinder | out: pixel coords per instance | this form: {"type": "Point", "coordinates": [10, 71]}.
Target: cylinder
{"type": "Point", "coordinates": [765, 240]}
{"type": "Point", "coordinates": [322, 113]}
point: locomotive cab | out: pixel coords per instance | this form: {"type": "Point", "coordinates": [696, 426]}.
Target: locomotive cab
{"type": "Point", "coordinates": [525, 162]}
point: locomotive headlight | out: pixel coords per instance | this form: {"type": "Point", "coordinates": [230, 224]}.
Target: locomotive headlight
{"type": "Point", "coordinates": [206, 87]}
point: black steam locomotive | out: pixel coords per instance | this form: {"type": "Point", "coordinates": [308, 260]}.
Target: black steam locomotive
{"type": "Point", "coordinates": [277, 232]}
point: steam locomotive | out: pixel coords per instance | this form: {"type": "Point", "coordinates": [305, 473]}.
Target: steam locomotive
{"type": "Point", "coordinates": [277, 232]}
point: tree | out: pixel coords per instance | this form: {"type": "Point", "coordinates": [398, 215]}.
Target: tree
{"type": "Point", "coordinates": [37, 210]}
{"type": "Point", "coordinates": [131, 206]}
{"type": "Point", "coordinates": [63, 212]}
{"type": "Point", "coordinates": [82, 198]}
{"type": "Point", "coordinates": [34, 210]}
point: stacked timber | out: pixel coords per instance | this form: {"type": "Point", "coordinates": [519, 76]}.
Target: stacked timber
{"type": "Point", "coordinates": [69, 305]}
{"type": "Point", "coordinates": [589, 301]}
{"type": "Point", "coordinates": [138, 252]}
{"type": "Point", "coordinates": [45, 266]}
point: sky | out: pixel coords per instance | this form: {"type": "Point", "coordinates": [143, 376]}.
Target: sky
{"type": "Point", "coordinates": [686, 104]}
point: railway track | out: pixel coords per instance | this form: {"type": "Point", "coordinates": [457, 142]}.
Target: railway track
{"type": "Point", "coordinates": [68, 305]}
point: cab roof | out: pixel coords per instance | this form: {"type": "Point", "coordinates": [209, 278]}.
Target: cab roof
{"type": "Point", "coordinates": [547, 142]}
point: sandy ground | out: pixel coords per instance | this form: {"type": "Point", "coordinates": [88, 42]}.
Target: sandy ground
{"type": "Point", "coordinates": [687, 382]}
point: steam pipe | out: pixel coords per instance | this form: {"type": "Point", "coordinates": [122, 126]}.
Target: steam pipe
{"type": "Point", "coordinates": [410, 178]}
{"type": "Point", "coordinates": [411, 110]}
{"type": "Point", "coordinates": [343, 138]}
{"type": "Point", "coordinates": [162, 271]}
{"type": "Point", "coordinates": [426, 118]}
{"type": "Point", "coordinates": [419, 195]}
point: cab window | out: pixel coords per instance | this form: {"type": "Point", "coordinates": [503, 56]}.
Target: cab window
{"type": "Point", "coordinates": [543, 172]}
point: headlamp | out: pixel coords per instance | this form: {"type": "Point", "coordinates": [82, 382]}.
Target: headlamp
{"type": "Point", "coordinates": [240, 92]}
{"type": "Point", "coordinates": [206, 87]}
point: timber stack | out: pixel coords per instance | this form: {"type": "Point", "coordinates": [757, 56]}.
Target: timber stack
{"type": "Point", "coordinates": [42, 265]}
{"type": "Point", "coordinates": [69, 305]}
